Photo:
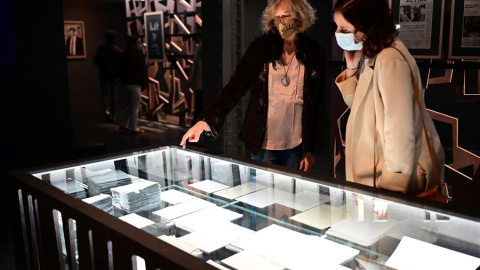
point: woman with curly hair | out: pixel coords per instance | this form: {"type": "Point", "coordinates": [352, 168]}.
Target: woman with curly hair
{"type": "Point", "coordinates": [284, 70]}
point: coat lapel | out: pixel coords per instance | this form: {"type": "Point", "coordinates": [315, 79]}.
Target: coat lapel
{"type": "Point", "coordinates": [364, 84]}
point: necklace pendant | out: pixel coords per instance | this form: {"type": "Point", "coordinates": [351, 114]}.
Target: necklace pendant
{"type": "Point", "coordinates": [285, 81]}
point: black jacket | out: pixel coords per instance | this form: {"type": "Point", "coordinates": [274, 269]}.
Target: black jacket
{"type": "Point", "coordinates": [133, 69]}
{"type": "Point", "coordinates": [252, 73]}
{"type": "Point", "coordinates": [107, 59]}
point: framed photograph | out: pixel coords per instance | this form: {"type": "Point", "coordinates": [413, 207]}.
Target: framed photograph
{"type": "Point", "coordinates": [464, 30]}
{"type": "Point", "coordinates": [154, 35]}
{"type": "Point", "coordinates": [421, 26]}
{"type": "Point", "coordinates": [74, 32]}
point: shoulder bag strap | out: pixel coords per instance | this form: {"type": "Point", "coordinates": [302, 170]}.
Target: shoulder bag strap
{"type": "Point", "coordinates": [427, 137]}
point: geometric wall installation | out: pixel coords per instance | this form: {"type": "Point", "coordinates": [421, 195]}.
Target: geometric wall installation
{"type": "Point", "coordinates": [168, 97]}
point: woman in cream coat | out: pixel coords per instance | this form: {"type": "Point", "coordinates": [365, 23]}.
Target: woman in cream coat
{"type": "Point", "coordinates": [377, 82]}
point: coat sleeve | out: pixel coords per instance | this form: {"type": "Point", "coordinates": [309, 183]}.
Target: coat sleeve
{"type": "Point", "coordinates": [347, 87]}
{"type": "Point", "coordinates": [239, 83]}
{"type": "Point", "coordinates": [396, 91]}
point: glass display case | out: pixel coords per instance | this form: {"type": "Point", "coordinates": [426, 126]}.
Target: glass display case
{"type": "Point", "coordinates": [171, 208]}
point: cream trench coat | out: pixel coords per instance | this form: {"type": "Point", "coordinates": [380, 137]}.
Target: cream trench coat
{"type": "Point", "coordinates": [402, 155]}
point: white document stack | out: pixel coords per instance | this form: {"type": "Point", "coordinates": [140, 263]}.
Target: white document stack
{"type": "Point", "coordinates": [139, 196]}
{"type": "Point", "coordinates": [102, 183]}
{"type": "Point", "coordinates": [71, 187]}
{"type": "Point", "coordinates": [223, 172]}
{"type": "Point", "coordinates": [102, 201]}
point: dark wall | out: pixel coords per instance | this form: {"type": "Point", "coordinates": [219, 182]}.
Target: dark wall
{"type": "Point", "coordinates": [83, 81]}
{"type": "Point", "coordinates": [42, 92]}
{"type": "Point", "coordinates": [35, 109]}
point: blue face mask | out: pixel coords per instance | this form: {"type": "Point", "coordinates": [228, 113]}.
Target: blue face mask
{"type": "Point", "coordinates": [346, 41]}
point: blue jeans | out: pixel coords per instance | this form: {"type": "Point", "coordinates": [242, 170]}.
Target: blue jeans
{"type": "Point", "coordinates": [108, 91]}
{"type": "Point", "coordinates": [289, 158]}
{"type": "Point", "coordinates": [129, 104]}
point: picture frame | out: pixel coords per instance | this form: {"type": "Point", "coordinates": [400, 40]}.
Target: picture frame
{"type": "Point", "coordinates": [154, 35]}
{"type": "Point", "coordinates": [75, 48]}
{"type": "Point", "coordinates": [421, 26]}
{"type": "Point", "coordinates": [464, 39]}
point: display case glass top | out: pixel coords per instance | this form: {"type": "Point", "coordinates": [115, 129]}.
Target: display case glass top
{"type": "Point", "coordinates": [239, 214]}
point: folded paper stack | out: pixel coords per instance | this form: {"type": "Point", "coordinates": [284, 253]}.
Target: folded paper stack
{"type": "Point", "coordinates": [71, 187]}
{"type": "Point", "coordinates": [101, 201]}
{"type": "Point", "coordinates": [139, 196]}
{"type": "Point", "coordinates": [102, 183]}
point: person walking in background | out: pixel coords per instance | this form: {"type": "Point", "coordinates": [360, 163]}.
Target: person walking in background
{"type": "Point", "coordinates": [74, 43]}
{"type": "Point", "coordinates": [284, 69]}
{"type": "Point", "coordinates": [133, 78]}
{"type": "Point", "coordinates": [386, 143]}
{"type": "Point", "coordinates": [107, 59]}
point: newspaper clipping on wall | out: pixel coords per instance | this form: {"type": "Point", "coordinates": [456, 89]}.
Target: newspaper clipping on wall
{"type": "Point", "coordinates": [471, 24]}
{"type": "Point", "coordinates": [415, 18]}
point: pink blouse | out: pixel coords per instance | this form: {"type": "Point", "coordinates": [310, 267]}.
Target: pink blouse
{"type": "Point", "coordinates": [285, 105]}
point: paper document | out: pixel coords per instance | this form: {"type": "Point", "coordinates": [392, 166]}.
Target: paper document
{"type": "Point", "coordinates": [249, 261]}
{"type": "Point", "coordinates": [240, 190]}
{"type": "Point", "coordinates": [364, 233]}
{"type": "Point", "coordinates": [136, 220]}
{"type": "Point", "coordinates": [266, 197]}
{"type": "Point", "coordinates": [293, 249]}
{"type": "Point", "coordinates": [413, 254]}
{"type": "Point", "coordinates": [173, 196]}
{"type": "Point", "coordinates": [212, 238]}
{"type": "Point", "coordinates": [187, 207]}
{"type": "Point", "coordinates": [322, 216]}
{"type": "Point", "coordinates": [172, 240]}
{"type": "Point", "coordinates": [305, 200]}
{"type": "Point", "coordinates": [208, 186]}
{"type": "Point", "coordinates": [206, 217]}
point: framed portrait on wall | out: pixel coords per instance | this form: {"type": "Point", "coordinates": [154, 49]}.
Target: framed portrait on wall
{"type": "Point", "coordinates": [74, 32]}
{"type": "Point", "coordinates": [421, 26]}
{"type": "Point", "coordinates": [154, 35]}
{"type": "Point", "coordinates": [464, 30]}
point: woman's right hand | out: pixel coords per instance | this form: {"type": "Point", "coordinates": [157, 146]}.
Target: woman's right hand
{"type": "Point", "coordinates": [352, 58]}
{"type": "Point", "coordinates": [193, 134]}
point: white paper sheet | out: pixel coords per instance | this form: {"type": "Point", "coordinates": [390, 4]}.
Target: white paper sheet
{"type": "Point", "coordinates": [182, 245]}
{"type": "Point", "coordinates": [206, 217]}
{"type": "Point", "coordinates": [266, 197]}
{"type": "Point", "coordinates": [413, 254]}
{"type": "Point", "coordinates": [364, 233]}
{"type": "Point", "coordinates": [305, 200]}
{"type": "Point", "coordinates": [136, 187]}
{"type": "Point", "coordinates": [208, 186]}
{"type": "Point", "coordinates": [249, 261]}
{"type": "Point", "coordinates": [212, 238]}
{"type": "Point", "coordinates": [96, 198]}
{"type": "Point", "coordinates": [240, 190]}
{"type": "Point", "coordinates": [173, 196]}
{"type": "Point", "coordinates": [184, 208]}
{"type": "Point", "coordinates": [136, 220]}
{"type": "Point", "coordinates": [322, 216]}
{"type": "Point", "coordinates": [293, 249]}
